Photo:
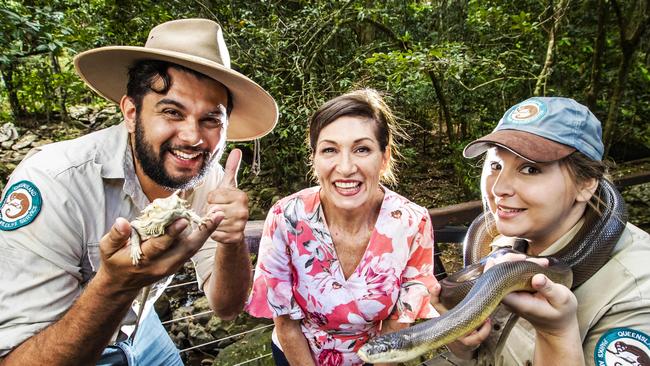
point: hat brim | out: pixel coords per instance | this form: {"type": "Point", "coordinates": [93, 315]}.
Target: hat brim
{"type": "Point", "coordinates": [527, 145]}
{"type": "Point", "coordinates": [105, 70]}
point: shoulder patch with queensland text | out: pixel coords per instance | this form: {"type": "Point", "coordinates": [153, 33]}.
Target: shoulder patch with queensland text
{"type": "Point", "coordinates": [623, 346]}
{"type": "Point", "coordinates": [20, 205]}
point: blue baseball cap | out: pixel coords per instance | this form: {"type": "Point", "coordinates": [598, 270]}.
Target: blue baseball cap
{"type": "Point", "coordinates": [544, 129]}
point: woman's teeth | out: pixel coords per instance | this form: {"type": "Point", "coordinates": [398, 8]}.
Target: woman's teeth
{"type": "Point", "coordinates": [346, 185]}
{"type": "Point", "coordinates": [510, 210]}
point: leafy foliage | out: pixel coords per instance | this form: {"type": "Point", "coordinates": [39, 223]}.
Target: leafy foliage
{"type": "Point", "coordinates": [449, 68]}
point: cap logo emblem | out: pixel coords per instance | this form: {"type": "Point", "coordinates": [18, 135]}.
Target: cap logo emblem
{"type": "Point", "coordinates": [20, 206]}
{"type": "Point", "coordinates": [528, 111]}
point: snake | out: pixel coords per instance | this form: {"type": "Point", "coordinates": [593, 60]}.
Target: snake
{"type": "Point", "coordinates": [472, 295]}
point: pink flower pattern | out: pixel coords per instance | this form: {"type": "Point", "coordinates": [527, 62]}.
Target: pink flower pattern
{"type": "Point", "coordinates": [330, 357]}
{"type": "Point", "coordinates": [298, 273]}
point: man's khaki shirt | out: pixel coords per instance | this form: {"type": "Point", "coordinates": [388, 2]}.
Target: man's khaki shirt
{"type": "Point", "coordinates": [84, 185]}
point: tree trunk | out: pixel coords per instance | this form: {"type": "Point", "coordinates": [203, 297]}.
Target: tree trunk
{"type": "Point", "coordinates": [60, 92]}
{"type": "Point", "coordinates": [596, 63]}
{"type": "Point", "coordinates": [630, 40]}
{"type": "Point", "coordinates": [444, 106]}
{"type": "Point", "coordinates": [441, 127]}
{"type": "Point", "coordinates": [557, 15]}
{"type": "Point", "coordinates": [366, 32]}
{"type": "Point", "coordinates": [12, 91]}
{"type": "Point", "coordinates": [615, 100]}
{"type": "Point", "coordinates": [440, 95]}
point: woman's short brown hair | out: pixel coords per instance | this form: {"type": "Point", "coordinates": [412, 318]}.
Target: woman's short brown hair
{"type": "Point", "coordinates": [365, 103]}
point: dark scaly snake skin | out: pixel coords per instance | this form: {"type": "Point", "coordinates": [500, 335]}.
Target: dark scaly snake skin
{"type": "Point", "coordinates": [589, 250]}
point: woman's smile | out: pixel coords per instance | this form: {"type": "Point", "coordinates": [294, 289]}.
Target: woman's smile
{"type": "Point", "coordinates": [505, 212]}
{"type": "Point", "coordinates": [347, 187]}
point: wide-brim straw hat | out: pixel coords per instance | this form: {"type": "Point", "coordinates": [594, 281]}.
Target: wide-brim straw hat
{"type": "Point", "coordinates": [198, 45]}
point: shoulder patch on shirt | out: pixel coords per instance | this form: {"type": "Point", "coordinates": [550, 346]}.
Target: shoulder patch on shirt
{"type": "Point", "coordinates": [20, 205]}
{"type": "Point", "coordinates": [622, 346]}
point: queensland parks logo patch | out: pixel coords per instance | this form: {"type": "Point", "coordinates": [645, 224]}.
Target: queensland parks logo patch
{"type": "Point", "coordinates": [20, 206]}
{"type": "Point", "coordinates": [623, 346]}
{"type": "Point", "coordinates": [528, 111]}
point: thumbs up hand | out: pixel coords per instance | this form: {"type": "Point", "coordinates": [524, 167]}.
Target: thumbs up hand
{"type": "Point", "coordinates": [230, 202]}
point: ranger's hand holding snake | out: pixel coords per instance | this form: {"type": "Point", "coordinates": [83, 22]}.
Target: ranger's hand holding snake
{"type": "Point", "coordinates": [491, 286]}
{"type": "Point", "coordinates": [551, 310]}
{"type": "Point", "coordinates": [552, 305]}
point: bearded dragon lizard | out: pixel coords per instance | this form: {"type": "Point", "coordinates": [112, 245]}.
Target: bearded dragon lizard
{"type": "Point", "coordinates": [152, 222]}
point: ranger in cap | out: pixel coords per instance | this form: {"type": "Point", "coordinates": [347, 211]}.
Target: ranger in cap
{"type": "Point", "coordinates": [544, 187]}
{"type": "Point", "coordinates": [67, 281]}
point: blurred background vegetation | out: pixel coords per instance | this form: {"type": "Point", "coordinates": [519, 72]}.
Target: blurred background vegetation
{"type": "Point", "coordinates": [449, 69]}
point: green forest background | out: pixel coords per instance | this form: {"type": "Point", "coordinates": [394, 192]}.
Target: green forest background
{"type": "Point", "coordinates": [448, 68]}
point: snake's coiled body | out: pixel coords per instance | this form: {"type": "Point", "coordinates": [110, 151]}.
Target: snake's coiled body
{"type": "Point", "coordinates": [589, 250]}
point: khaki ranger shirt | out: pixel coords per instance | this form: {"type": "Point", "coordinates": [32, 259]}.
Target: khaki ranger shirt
{"type": "Point", "coordinates": [613, 311]}
{"type": "Point", "coordinates": [56, 207]}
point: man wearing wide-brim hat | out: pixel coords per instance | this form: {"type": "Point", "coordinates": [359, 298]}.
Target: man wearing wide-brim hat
{"type": "Point", "coordinates": [67, 281]}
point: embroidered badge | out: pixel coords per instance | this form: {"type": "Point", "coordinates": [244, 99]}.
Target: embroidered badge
{"type": "Point", "coordinates": [527, 112]}
{"type": "Point", "coordinates": [20, 206]}
{"type": "Point", "coordinates": [622, 346]}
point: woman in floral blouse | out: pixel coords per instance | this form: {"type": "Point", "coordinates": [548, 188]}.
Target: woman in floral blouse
{"type": "Point", "coordinates": [349, 259]}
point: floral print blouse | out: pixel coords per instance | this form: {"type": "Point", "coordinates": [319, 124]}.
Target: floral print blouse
{"type": "Point", "coordinates": [299, 274]}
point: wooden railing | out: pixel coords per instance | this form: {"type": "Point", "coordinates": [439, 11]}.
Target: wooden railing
{"type": "Point", "coordinates": [449, 222]}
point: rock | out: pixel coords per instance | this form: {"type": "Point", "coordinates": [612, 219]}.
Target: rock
{"type": "Point", "coordinates": [7, 144]}
{"type": "Point", "coordinates": [41, 142]}
{"type": "Point", "coordinates": [216, 328]}
{"type": "Point", "coordinates": [8, 132]}
{"type": "Point", "coordinates": [183, 312]}
{"type": "Point", "coordinates": [201, 305]}
{"type": "Point", "coordinates": [105, 117]}
{"type": "Point", "coordinates": [18, 156]}
{"type": "Point", "coordinates": [178, 338]}
{"type": "Point", "coordinates": [198, 334]}
{"type": "Point", "coordinates": [163, 307]}
{"type": "Point", "coordinates": [79, 112]}
{"type": "Point", "coordinates": [24, 141]}
{"type": "Point", "coordinates": [252, 345]}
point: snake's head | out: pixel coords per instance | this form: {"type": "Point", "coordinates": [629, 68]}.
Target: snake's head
{"type": "Point", "coordinates": [384, 348]}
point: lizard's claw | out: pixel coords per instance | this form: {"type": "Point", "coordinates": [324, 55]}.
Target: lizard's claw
{"type": "Point", "coordinates": [136, 251]}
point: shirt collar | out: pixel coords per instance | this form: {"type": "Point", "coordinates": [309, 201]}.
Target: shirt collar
{"type": "Point", "coordinates": [132, 185]}
{"type": "Point", "coordinates": [564, 239]}
{"type": "Point", "coordinates": [116, 159]}
{"type": "Point", "coordinates": [110, 154]}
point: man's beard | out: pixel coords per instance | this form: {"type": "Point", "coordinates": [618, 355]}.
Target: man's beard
{"type": "Point", "coordinates": [153, 164]}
